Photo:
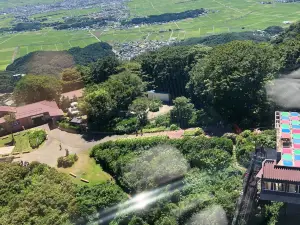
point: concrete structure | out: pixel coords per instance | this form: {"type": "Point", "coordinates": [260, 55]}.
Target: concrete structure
{"type": "Point", "coordinates": [164, 97]}
{"type": "Point", "coordinates": [31, 115]}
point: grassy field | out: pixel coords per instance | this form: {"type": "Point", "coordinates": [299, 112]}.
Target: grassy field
{"type": "Point", "coordinates": [15, 3]}
{"type": "Point", "coordinates": [87, 168]}
{"type": "Point", "coordinates": [224, 16]}
{"type": "Point", "coordinates": [22, 142]}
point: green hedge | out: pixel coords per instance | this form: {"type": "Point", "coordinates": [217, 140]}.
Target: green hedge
{"type": "Point", "coordinates": [155, 129]}
{"type": "Point", "coordinates": [67, 125]}
{"type": "Point", "coordinates": [202, 152]}
{"type": "Point", "coordinates": [36, 138]}
{"type": "Point", "coordinates": [174, 127]}
{"type": "Point", "coordinates": [195, 132]}
{"type": "Point", "coordinates": [67, 161]}
{"type": "Point", "coordinates": [126, 126]}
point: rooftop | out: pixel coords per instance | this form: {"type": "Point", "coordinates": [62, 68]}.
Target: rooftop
{"type": "Point", "coordinates": [275, 172]}
{"type": "Point", "coordinates": [287, 125]}
{"type": "Point", "coordinates": [72, 94]}
{"type": "Point", "coordinates": [34, 109]}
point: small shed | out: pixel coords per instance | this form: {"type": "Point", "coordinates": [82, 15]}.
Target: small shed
{"type": "Point", "coordinates": [164, 97]}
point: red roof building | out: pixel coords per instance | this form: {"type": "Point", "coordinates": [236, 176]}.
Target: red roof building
{"type": "Point", "coordinates": [73, 94]}
{"type": "Point", "coordinates": [31, 115]}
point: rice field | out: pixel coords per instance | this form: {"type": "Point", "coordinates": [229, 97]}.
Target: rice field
{"type": "Point", "coordinates": [223, 16]}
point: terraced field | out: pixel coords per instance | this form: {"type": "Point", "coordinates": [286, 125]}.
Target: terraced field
{"type": "Point", "coordinates": [223, 16]}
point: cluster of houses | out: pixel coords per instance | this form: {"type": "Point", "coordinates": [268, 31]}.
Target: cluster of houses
{"type": "Point", "coordinates": [129, 50]}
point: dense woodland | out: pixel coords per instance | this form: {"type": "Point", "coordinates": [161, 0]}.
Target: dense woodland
{"type": "Point", "coordinates": [167, 17]}
{"type": "Point", "coordinates": [217, 86]}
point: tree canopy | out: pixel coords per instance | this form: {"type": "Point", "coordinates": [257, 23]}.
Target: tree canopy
{"type": "Point", "coordinates": [104, 101]}
{"type": "Point", "coordinates": [183, 112]}
{"type": "Point", "coordinates": [32, 88]}
{"type": "Point", "coordinates": [232, 80]}
{"type": "Point", "coordinates": [167, 69]}
{"type": "Point", "coordinates": [103, 68]}
{"type": "Point", "coordinates": [38, 194]}
{"type": "Point", "coordinates": [71, 79]}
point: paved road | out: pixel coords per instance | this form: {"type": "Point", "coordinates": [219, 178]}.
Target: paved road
{"type": "Point", "coordinates": [75, 143]}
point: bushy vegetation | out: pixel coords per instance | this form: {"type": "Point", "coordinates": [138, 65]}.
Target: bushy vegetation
{"type": "Point", "coordinates": [38, 194]}
{"type": "Point", "coordinates": [154, 105]}
{"type": "Point", "coordinates": [154, 129]}
{"type": "Point", "coordinates": [71, 79]}
{"type": "Point", "coordinates": [193, 132]}
{"type": "Point", "coordinates": [167, 69]}
{"type": "Point", "coordinates": [163, 120]}
{"type": "Point", "coordinates": [67, 125]}
{"type": "Point", "coordinates": [67, 161]}
{"type": "Point", "coordinates": [103, 102]}
{"type": "Point", "coordinates": [248, 140]}
{"type": "Point", "coordinates": [7, 82]}
{"type": "Point", "coordinates": [114, 155]}
{"type": "Point", "coordinates": [126, 126]}
{"type": "Point", "coordinates": [147, 163]}
{"type": "Point", "coordinates": [36, 138]}
{"type": "Point", "coordinates": [32, 88]}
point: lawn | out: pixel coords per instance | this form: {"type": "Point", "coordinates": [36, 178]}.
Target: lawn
{"type": "Point", "coordinates": [22, 142]}
{"type": "Point", "coordinates": [87, 168]}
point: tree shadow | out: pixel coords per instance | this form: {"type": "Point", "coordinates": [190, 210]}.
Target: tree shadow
{"type": "Point", "coordinates": [91, 137]}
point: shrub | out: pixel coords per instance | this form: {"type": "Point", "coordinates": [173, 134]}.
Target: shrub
{"type": "Point", "coordinates": [212, 159]}
{"type": "Point", "coordinates": [163, 120]}
{"type": "Point", "coordinates": [154, 130]}
{"type": "Point", "coordinates": [231, 136]}
{"type": "Point", "coordinates": [174, 127]}
{"type": "Point", "coordinates": [67, 125]}
{"type": "Point", "coordinates": [126, 126]}
{"type": "Point", "coordinates": [154, 105]}
{"type": "Point", "coordinates": [195, 132]}
{"type": "Point", "coordinates": [67, 161]}
{"type": "Point", "coordinates": [36, 138]}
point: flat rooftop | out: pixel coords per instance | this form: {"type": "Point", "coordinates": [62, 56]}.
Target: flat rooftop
{"type": "Point", "coordinates": [287, 125]}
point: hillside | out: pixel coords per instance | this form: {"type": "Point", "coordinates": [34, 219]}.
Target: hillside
{"type": "Point", "coordinates": [53, 62]}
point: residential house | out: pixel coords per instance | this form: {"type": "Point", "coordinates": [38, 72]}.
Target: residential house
{"type": "Point", "coordinates": [31, 115]}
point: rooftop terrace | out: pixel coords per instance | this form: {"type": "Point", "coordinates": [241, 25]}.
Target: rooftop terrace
{"type": "Point", "coordinates": [287, 125]}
